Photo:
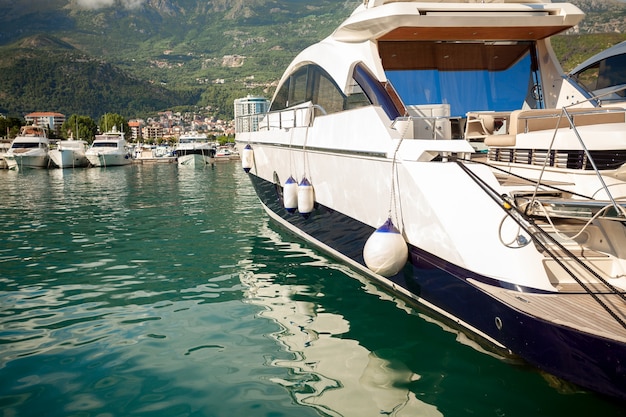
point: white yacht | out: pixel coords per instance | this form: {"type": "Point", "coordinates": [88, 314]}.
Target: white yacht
{"type": "Point", "coordinates": [69, 154]}
{"type": "Point", "coordinates": [29, 149]}
{"type": "Point", "coordinates": [194, 149]}
{"type": "Point", "coordinates": [604, 75]}
{"type": "Point", "coordinates": [109, 149]}
{"type": "Point", "coordinates": [223, 153]}
{"type": "Point", "coordinates": [440, 149]}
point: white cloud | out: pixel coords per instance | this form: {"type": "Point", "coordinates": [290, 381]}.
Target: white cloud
{"type": "Point", "coordinates": [94, 4]}
{"type": "Point", "coordinates": [99, 4]}
{"type": "Point", "coordinates": [132, 4]}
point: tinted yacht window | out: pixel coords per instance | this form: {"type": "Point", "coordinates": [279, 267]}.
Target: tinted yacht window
{"type": "Point", "coordinates": [325, 93]}
{"type": "Point", "coordinates": [312, 83]}
{"type": "Point", "coordinates": [609, 73]}
{"type": "Point", "coordinates": [298, 89]}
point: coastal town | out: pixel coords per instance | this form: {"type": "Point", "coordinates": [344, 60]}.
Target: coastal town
{"type": "Point", "coordinates": [166, 126]}
{"type": "Point", "coordinates": [49, 140]}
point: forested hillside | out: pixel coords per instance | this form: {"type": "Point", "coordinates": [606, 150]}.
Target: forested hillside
{"type": "Point", "coordinates": [135, 57]}
{"type": "Point", "coordinates": [63, 79]}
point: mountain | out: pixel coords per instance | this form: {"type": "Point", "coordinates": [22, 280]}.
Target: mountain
{"type": "Point", "coordinates": [137, 56]}
{"type": "Point", "coordinates": [43, 73]}
{"type": "Point", "coordinates": [179, 42]}
{"type": "Point", "coordinates": [205, 53]}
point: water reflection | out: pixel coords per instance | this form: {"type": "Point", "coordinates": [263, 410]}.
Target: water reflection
{"type": "Point", "coordinates": [191, 305]}
{"type": "Point", "coordinates": [329, 371]}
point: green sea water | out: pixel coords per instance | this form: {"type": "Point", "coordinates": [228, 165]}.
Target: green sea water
{"type": "Point", "coordinates": [158, 290]}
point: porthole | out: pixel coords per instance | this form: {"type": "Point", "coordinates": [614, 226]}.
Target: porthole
{"type": "Point", "coordinates": [498, 323]}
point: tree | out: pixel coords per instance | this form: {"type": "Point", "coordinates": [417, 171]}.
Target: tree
{"type": "Point", "coordinates": [109, 121]}
{"type": "Point", "coordinates": [80, 127]}
{"type": "Point", "coordinates": [10, 126]}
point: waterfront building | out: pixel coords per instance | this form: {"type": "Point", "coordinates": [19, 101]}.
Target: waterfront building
{"type": "Point", "coordinates": [135, 130]}
{"type": "Point", "coordinates": [152, 132]}
{"type": "Point", "coordinates": [249, 111]}
{"type": "Point", "coordinates": [49, 119]}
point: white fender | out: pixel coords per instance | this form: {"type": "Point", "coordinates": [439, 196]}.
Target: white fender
{"type": "Point", "coordinates": [290, 195]}
{"type": "Point", "coordinates": [306, 197]}
{"type": "Point", "coordinates": [247, 158]}
{"type": "Point", "coordinates": [386, 252]}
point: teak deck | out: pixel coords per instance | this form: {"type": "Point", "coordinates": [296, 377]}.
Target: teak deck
{"type": "Point", "coordinates": [572, 308]}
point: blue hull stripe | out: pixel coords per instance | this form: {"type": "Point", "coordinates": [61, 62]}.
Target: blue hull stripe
{"type": "Point", "coordinates": [590, 361]}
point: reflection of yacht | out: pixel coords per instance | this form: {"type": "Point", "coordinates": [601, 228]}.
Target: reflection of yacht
{"type": "Point", "coordinates": [29, 149]}
{"type": "Point", "coordinates": [194, 149]}
{"type": "Point", "coordinates": [604, 74]}
{"type": "Point", "coordinates": [347, 379]}
{"type": "Point", "coordinates": [524, 246]}
{"type": "Point", "coordinates": [69, 154]}
{"type": "Point", "coordinates": [4, 147]}
{"type": "Point", "coordinates": [109, 149]}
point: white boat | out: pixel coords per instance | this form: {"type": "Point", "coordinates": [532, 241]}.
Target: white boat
{"type": "Point", "coordinates": [194, 149]}
{"type": "Point", "coordinates": [69, 154]}
{"type": "Point", "coordinates": [29, 149]}
{"type": "Point", "coordinates": [225, 153]}
{"type": "Point", "coordinates": [369, 153]}
{"type": "Point", "coordinates": [109, 149]}
{"type": "Point", "coordinates": [604, 74]}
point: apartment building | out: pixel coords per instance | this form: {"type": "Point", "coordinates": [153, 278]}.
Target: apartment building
{"type": "Point", "coordinates": [49, 119]}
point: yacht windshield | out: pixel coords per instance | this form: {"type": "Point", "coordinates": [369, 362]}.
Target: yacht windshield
{"type": "Point", "coordinates": [25, 145]}
{"type": "Point", "coordinates": [467, 76]}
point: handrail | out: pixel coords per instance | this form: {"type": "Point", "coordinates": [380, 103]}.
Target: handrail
{"type": "Point", "coordinates": [300, 117]}
{"type": "Point", "coordinates": [544, 239]}
{"type": "Point", "coordinates": [572, 125]}
{"type": "Point", "coordinates": [618, 208]}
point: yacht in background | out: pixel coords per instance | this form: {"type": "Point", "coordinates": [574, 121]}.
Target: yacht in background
{"type": "Point", "coordinates": [194, 149]}
{"type": "Point", "coordinates": [604, 75]}
{"type": "Point", "coordinates": [29, 149]}
{"type": "Point", "coordinates": [227, 153]}
{"type": "Point", "coordinates": [69, 154]}
{"type": "Point", "coordinates": [109, 149]}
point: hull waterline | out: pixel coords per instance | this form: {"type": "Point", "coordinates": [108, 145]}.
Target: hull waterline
{"type": "Point", "coordinates": [448, 292]}
{"type": "Point", "coordinates": [68, 158]}
{"type": "Point", "coordinates": [408, 139]}
{"type": "Point", "coordinates": [107, 160]}
{"type": "Point", "coordinates": [26, 161]}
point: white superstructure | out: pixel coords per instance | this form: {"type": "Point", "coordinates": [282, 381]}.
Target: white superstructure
{"type": "Point", "coordinates": [29, 149]}
{"type": "Point", "coordinates": [447, 133]}
{"type": "Point", "coordinates": [194, 149]}
{"type": "Point", "coordinates": [109, 149]}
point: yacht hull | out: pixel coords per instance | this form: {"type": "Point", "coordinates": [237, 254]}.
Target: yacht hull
{"type": "Point", "coordinates": [195, 160]}
{"type": "Point", "coordinates": [450, 292]}
{"type": "Point", "coordinates": [108, 160]}
{"type": "Point", "coordinates": [21, 161]}
{"type": "Point", "coordinates": [68, 158]}
{"type": "Point", "coordinates": [408, 139]}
